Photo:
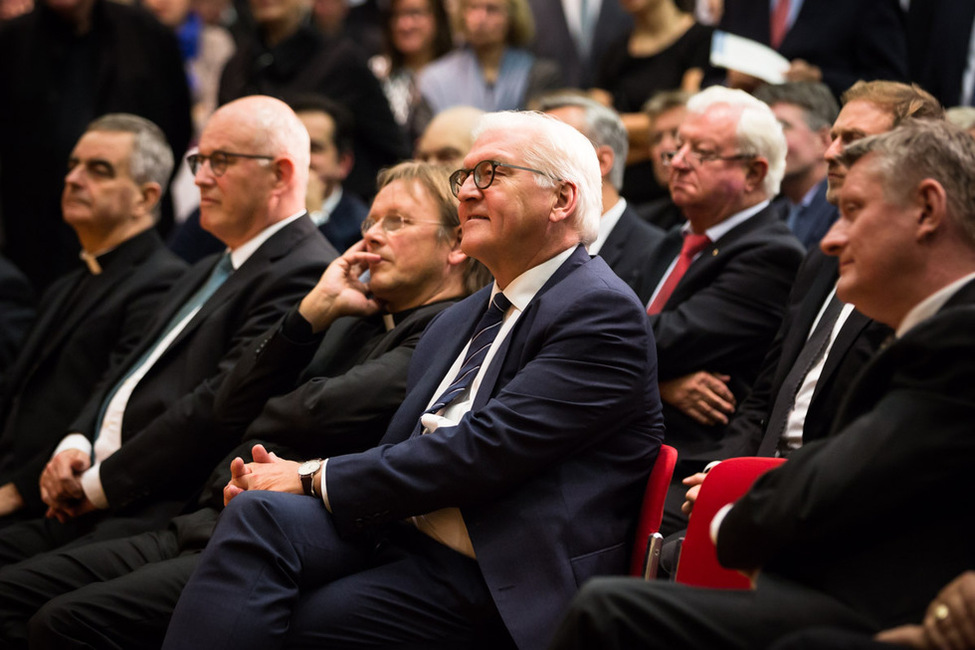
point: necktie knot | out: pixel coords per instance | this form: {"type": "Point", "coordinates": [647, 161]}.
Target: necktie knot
{"type": "Point", "coordinates": [694, 244]}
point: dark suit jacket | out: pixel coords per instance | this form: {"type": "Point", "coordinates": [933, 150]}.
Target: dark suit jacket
{"type": "Point", "coordinates": [170, 439]}
{"type": "Point", "coordinates": [548, 466]}
{"type": "Point", "coordinates": [880, 516]}
{"type": "Point", "coordinates": [16, 314]}
{"type": "Point", "coordinates": [852, 40]}
{"type": "Point", "coordinates": [77, 337]}
{"type": "Point", "coordinates": [342, 227]}
{"type": "Point", "coordinates": [722, 316]}
{"type": "Point", "coordinates": [628, 246]}
{"type": "Point", "coordinates": [308, 62]}
{"type": "Point", "coordinates": [938, 33]}
{"type": "Point", "coordinates": [558, 44]}
{"type": "Point", "coordinates": [855, 344]}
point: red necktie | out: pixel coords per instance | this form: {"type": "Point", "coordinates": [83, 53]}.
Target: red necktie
{"type": "Point", "coordinates": [779, 23]}
{"type": "Point", "coordinates": [693, 244]}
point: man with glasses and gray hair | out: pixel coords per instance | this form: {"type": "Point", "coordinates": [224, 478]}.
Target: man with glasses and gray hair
{"type": "Point", "coordinates": [513, 470]}
{"type": "Point", "coordinates": [144, 442]}
{"type": "Point", "coordinates": [624, 239]}
{"type": "Point", "coordinates": [717, 286]}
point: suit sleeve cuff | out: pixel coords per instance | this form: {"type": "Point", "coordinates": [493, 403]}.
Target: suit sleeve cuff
{"type": "Point", "coordinates": [91, 483]}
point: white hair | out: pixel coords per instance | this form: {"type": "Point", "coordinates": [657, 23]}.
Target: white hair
{"type": "Point", "coordinates": [554, 147]}
{"type": "Point", "coordinates": [758, 131]}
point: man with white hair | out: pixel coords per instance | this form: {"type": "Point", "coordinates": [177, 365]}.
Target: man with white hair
{"type": "Point", "coordinates": [143, 445]}
{"type": "Point", "coordinates": [511, 473]}
{"type": "Point", "coordinates": [717, 286]}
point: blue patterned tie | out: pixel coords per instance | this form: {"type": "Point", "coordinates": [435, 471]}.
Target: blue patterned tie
{"type": "Point", "coordinates": [485, 333]}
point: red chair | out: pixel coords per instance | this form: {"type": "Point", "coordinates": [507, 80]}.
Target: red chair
{"type": "Point", "coordinates": [646, 546]}
{"type": "Point", "coordinates": [725, 483]}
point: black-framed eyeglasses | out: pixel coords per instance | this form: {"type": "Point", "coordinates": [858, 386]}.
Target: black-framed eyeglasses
{"type": "Point", "coordinates": [697, 157]}
{"type": "Point", "coordinates": [392, 223]}
{"type": "Point", "coordinates": [484, 174]}
{"type": "Point", "coordinates": [219, 160]}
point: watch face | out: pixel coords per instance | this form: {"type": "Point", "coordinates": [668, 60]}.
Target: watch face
{"type": "Point", "coordinates": [309, 467]}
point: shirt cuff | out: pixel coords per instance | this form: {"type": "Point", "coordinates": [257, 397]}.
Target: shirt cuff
{"type": "Point", "coordinates": [321, 487]}
{"type": "Point", "coordinates": [74, 441]}
{"type": "Point", "coordinates": [717, 520]}
{"type": "Point", "coordinates": [91, 483]}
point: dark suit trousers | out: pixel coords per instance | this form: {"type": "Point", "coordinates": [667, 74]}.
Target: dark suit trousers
{"type": "Point", "coordinates": [277, 574]}
{"type": "Point", "coordinates": [117, 594]}
{"type": "Point", "coordinates": [629, 613]}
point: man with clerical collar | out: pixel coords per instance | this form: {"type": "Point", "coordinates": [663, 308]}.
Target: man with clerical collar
{"type": "Point", "coordinates": [114, 180]}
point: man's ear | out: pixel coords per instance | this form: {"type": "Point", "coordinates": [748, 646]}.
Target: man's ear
{"type": "Point", "coordinates": [456, 255]}
{"type": "Point", "coordinates": [284, 171]}
{"type": "Point", "coordinates": [566, 201]}
{"type": "Point", "coordinates": [346, 163]}
{"type": "Point", "coordinates": [932, 200]}
{"type": "Point", "coordinates": [606, 159]}
{"type": "Point", "coordinates": [149, 195]}
{"type": "Point", "coordinates": [755, 173]}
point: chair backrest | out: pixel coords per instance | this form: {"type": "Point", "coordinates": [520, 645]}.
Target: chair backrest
{"type": "Point", "coordinates": [652, 512]}
{"type": "Point", "coordinates": [725, 483]}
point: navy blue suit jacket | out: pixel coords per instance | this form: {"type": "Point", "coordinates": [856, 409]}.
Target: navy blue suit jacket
{"type": "Point", "coordinates": [548, 466]}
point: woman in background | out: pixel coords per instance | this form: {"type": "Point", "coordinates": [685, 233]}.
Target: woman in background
{"type": "Point", "coordinates": [415, 32]}
{"type": "Point", "coordinates": [492, 70]}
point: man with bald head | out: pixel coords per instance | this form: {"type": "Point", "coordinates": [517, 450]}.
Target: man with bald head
{"type": "Point", "coordinates": [512, 471]}
{"type": "Point", "coordinates": [449, 136]}
{"type": "Point", "coordinates": [146, 439]}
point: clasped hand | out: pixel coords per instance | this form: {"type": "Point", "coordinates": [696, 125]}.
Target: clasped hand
{"type": "Point", "coordinates": [61, 488]}
{"type": "Point", "coordinates": [267, 472]}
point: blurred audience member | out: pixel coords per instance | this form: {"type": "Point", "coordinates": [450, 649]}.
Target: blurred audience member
{"type": "Point", "coordinates": [62, 65]}
{"type": "Point", "coordinates": [289, 56]}
{"type": "Point", "coordinates": [665, 111]}
{"type": "Point", "coordinates": [94, 315]}
{"type": "Point", "coordinates": [449, 136]}
{"type": "Point", "coordinates": [577, 34]}
{"type": "Point", "coordinates": [337, 213]}
{"type": "Point", "coordinates": [837, 43]}
{"type": "Point", "coordinates": [939, 47]}
{"type": "Point", "coordinates": [492, 70]}
{"type": "Point", "coordinates": [415, 32]}
{"type": "Point", "coordinates": [205, 50]}
{"type": "Point", "coordinates": [665, 50]}
{"type": "Point", "coordinates": [624, 241]}
{"type": "Point", "coordinates": [806, 111]}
